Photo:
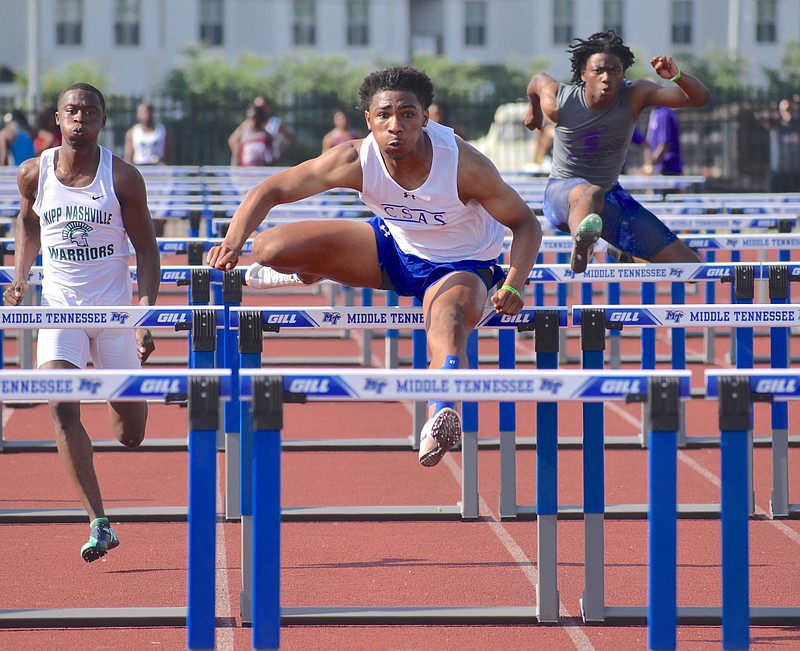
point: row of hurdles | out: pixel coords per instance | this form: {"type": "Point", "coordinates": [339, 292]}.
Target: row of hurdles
{"type": "Point", "coordinates": [263, 393]}
{"type": "Point", "coordinates": [260, 319]}
{"type": "Point", "coordinates": [243, 347]}
{"type": "Point", "coordinates": [760, 271]}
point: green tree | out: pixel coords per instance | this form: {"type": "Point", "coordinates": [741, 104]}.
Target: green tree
{"type": "Point", "coordinates": [332, 77]}
{"type": "Point", "coordinates": [721, 72]}
{"type": "Point", "coordinates": [785, 80]}
{"type": "Point", "coordinates": [84, 70]}
{"type": "Point", "coordinates": [473, 91]}
{"type": "Point", "coordinates": [217, 81]}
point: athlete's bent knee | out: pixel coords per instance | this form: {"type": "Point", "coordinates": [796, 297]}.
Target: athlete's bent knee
{"type": "Point", "coordinates": [131, 439]}
{"type": "Point", "coordinates": [266, 250]}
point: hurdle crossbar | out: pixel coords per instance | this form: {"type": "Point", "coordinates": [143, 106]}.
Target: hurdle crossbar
{"type": "Point", "coordinates": [267, 389]}
{"type": "Point", "coordinates": [391, 317]}
{"type": "Point", "coordinates": [181, 317]}
{"type": "Point", "coordinates": [203, 389]}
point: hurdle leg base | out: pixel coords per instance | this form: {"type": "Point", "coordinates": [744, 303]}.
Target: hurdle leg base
{"type": "Point", "coordinates": [591, 615]}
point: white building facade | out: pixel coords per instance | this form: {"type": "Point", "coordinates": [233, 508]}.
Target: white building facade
{"type": "Point", "coordinates": [137, 42]}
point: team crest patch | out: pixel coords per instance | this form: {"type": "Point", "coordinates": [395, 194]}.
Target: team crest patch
{"type": "Point", "coordinates": [77, 233]}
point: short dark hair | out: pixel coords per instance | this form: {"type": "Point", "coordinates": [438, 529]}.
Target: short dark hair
{"type": "Point", "coordinates": [85, 87]}
{"type": "Point", "coordinates": [608, 42]}
{"type": "Point", "coordinates": [403, 78]}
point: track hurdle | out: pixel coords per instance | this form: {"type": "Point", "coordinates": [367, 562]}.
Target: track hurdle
{"type": "Point", "coordinates": [612, 275]}
{"type": "Point", "coordinates": [780, 276]}
{"type": "Point", "coordinates": [268, 389]}
{"type": "Point", "coordinates": [169, 274]}
{"type": "Point", "coordinates": [737, 391]}
{"type": "Point", "coordinates": [738, 316]}
{"type": "Point", "coordinates": [249, 325]}
{"type": "Point", "coordinates": [204, 390]}
{"type": "Point", "coordinates": [203, 323]}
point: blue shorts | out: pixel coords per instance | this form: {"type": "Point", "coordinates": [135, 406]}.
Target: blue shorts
{"type": "Point", "coordinates": [409, 275]}
{"type": "Point", "coordinates": [626, 223]}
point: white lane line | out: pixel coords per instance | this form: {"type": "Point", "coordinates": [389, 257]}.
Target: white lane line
{"type": "Point", "coordinates": [711, 477]}
{"type": "Point", "coordinates": [576, 633]}
{"type": "Point", "coordinates": [224, 634]}
{"type": "Point", "coordinates": [7, 413]}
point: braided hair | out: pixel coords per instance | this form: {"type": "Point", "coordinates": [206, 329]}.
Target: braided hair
{"type": "Point", "coordinates": [403, 78]}
{"type": "Point", "coordinates": [602, 42]}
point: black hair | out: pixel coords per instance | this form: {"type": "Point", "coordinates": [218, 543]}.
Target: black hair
{"type": "Point", "coordinates": [21, 120]}
{"type": "Point", "coordinates": [608, 42]}
{"type": "Point", "coordinates": [46, 119]}
{"type": "Point", "coordinates": [403, 78]}
{"type": "Point", "coordinates": [85, 87]}
{"type": "Point", "coordinates": [259, 113]}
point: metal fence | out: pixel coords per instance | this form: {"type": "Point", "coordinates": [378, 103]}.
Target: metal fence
{"type": "Point", "coordinates": [724, 142]}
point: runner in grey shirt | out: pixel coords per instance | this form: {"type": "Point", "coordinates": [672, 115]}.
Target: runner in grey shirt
{"type": "Point", "coordinates": [594, 119]}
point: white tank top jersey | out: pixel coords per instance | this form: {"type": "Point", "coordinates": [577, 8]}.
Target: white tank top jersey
{"type": "Point", "coordinates": [430, 221]}
{"type": "Point", "coordinates": [148, 146]}
{"type": "Point", "coordinates": [85, 250]}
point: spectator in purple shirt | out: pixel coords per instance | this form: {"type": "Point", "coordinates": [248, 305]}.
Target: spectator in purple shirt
{"type": "Point", "coordinates": [663, 140]}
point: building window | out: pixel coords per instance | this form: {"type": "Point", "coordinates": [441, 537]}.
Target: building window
{"type": "Point", "coordinates": [357, 22]}
{"type": "Point", "coordinates": [682, 22]}
{"type": "Point", "coordinates": [69, 22]}
{"type": "Point", "coordinates": [612, 15]}
{"type": "Point", "coordinates": [766, 21]}
{"type": "Point", "coordinates": [126, 22]}
{"type": "Point", "coordinates": [305, 22]}
{"type": "Point", "coordinates": [475, 23]}
{"type": "Point", "coordinates": [211, 23]}
{"type": "Point", "coordinates": [563, 11]}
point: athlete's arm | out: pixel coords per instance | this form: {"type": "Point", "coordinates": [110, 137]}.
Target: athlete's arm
{"type": "Point", "coordinates": [128, 151]}
{"type": "Point", "coordinates": [479, 180]}
{"type": "Point", "coordinates": [339, 167]}
{"type": "Point", "coordinates": [27, 238]}
{"type": "Point", "coordinates": [4, 146]}
{"type": "Point", "coordinates": [685, 92]}
{"type": "Point", "coordinates": [132, 195]}
{"type": "Point", "coordinates": [168, 147]}
{"type": "Point", "coordinates": [542, 95]}
{"type": "Point", "coordinates": [234, 140]}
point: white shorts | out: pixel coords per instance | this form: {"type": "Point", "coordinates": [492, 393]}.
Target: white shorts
{"type": "Point", "coordinates": [108, 348]}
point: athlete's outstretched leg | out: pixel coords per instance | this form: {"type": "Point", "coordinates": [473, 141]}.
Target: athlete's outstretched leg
{"type": "Point", "coordinates": [585, 224]}
{"type": "Point", "coordinates": [307, 252]}
{"type": "Point", "coordinates": [452, 308]}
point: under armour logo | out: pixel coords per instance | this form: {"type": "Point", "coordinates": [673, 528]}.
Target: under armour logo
{"type": "Point", "coordinates": [407, 195]}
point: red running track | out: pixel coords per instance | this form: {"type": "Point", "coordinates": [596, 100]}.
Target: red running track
{"type": "Point", "coordinates": [485, 563]}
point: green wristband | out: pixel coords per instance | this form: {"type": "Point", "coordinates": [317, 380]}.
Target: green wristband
{"type": "Point", "coordinates": [511, 289]}
{"type": "Point", "coordinates": [678, 76]}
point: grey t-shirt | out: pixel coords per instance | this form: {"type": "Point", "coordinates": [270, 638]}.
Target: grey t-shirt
{"type": "Point", "coordinates": [591, 144]}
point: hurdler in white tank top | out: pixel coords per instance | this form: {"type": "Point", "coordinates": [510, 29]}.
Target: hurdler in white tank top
{"type": "Point", "coordinates": [430, 221]}
{"type": "Point", "coordinates": [85, 251]}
